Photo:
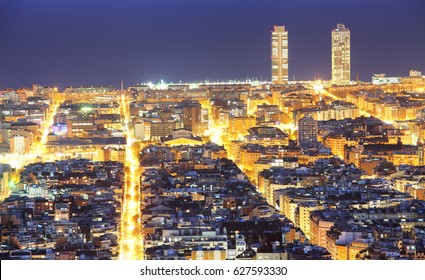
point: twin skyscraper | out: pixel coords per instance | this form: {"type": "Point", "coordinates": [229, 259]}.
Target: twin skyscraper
{"type": "Point", "coordinates": [340, 55]}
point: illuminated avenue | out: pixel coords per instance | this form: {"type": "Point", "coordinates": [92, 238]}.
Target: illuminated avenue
{"type": "Point", "coordinates": [246, 170]}
{"type": "Point", "coordinates": [131, 243]}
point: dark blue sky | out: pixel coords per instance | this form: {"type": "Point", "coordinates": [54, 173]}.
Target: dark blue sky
{"type": "Point", "coordinates": [93, 42]}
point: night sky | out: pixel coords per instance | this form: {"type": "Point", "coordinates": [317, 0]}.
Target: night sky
{"type": "Point", "coordinates": [100, 42]}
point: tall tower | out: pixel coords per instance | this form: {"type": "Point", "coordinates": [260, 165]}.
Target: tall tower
{"type": "Point", "coordinates": [279, 55]}
{"type": "Point", "coordinates": [341, 55]}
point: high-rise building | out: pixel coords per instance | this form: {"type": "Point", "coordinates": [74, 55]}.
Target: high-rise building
{"type": "Point", "coordinates": [192, 116]}
{"type": "Point", "coordinates": [279, 55]}
{"type": "Point", "coordinates": [341, 55]}
{"type": "Point", "coordinates": [307, 130]}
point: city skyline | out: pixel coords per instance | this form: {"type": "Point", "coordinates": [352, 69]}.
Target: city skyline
{"type": "Point", "coordinates": [140, 49]}
{"type": "Point", "coordinates": [252, 146]}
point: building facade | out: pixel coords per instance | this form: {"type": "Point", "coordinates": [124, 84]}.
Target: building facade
{"type": "Point", "coordinates": [307, 130]}
{"type": "Point", "coordinates": [279, 55]}
{"type": "Point", "coordinates": [341, 55]}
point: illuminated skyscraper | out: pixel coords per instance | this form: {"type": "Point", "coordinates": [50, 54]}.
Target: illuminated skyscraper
{"type": "Point", "coordinates": [341, 55]}
{"type": "Point", "coordinates": [279, 55]}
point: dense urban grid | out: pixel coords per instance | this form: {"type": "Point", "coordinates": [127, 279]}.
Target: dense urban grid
{"type": "Point", "coordinates": [246, 170]}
